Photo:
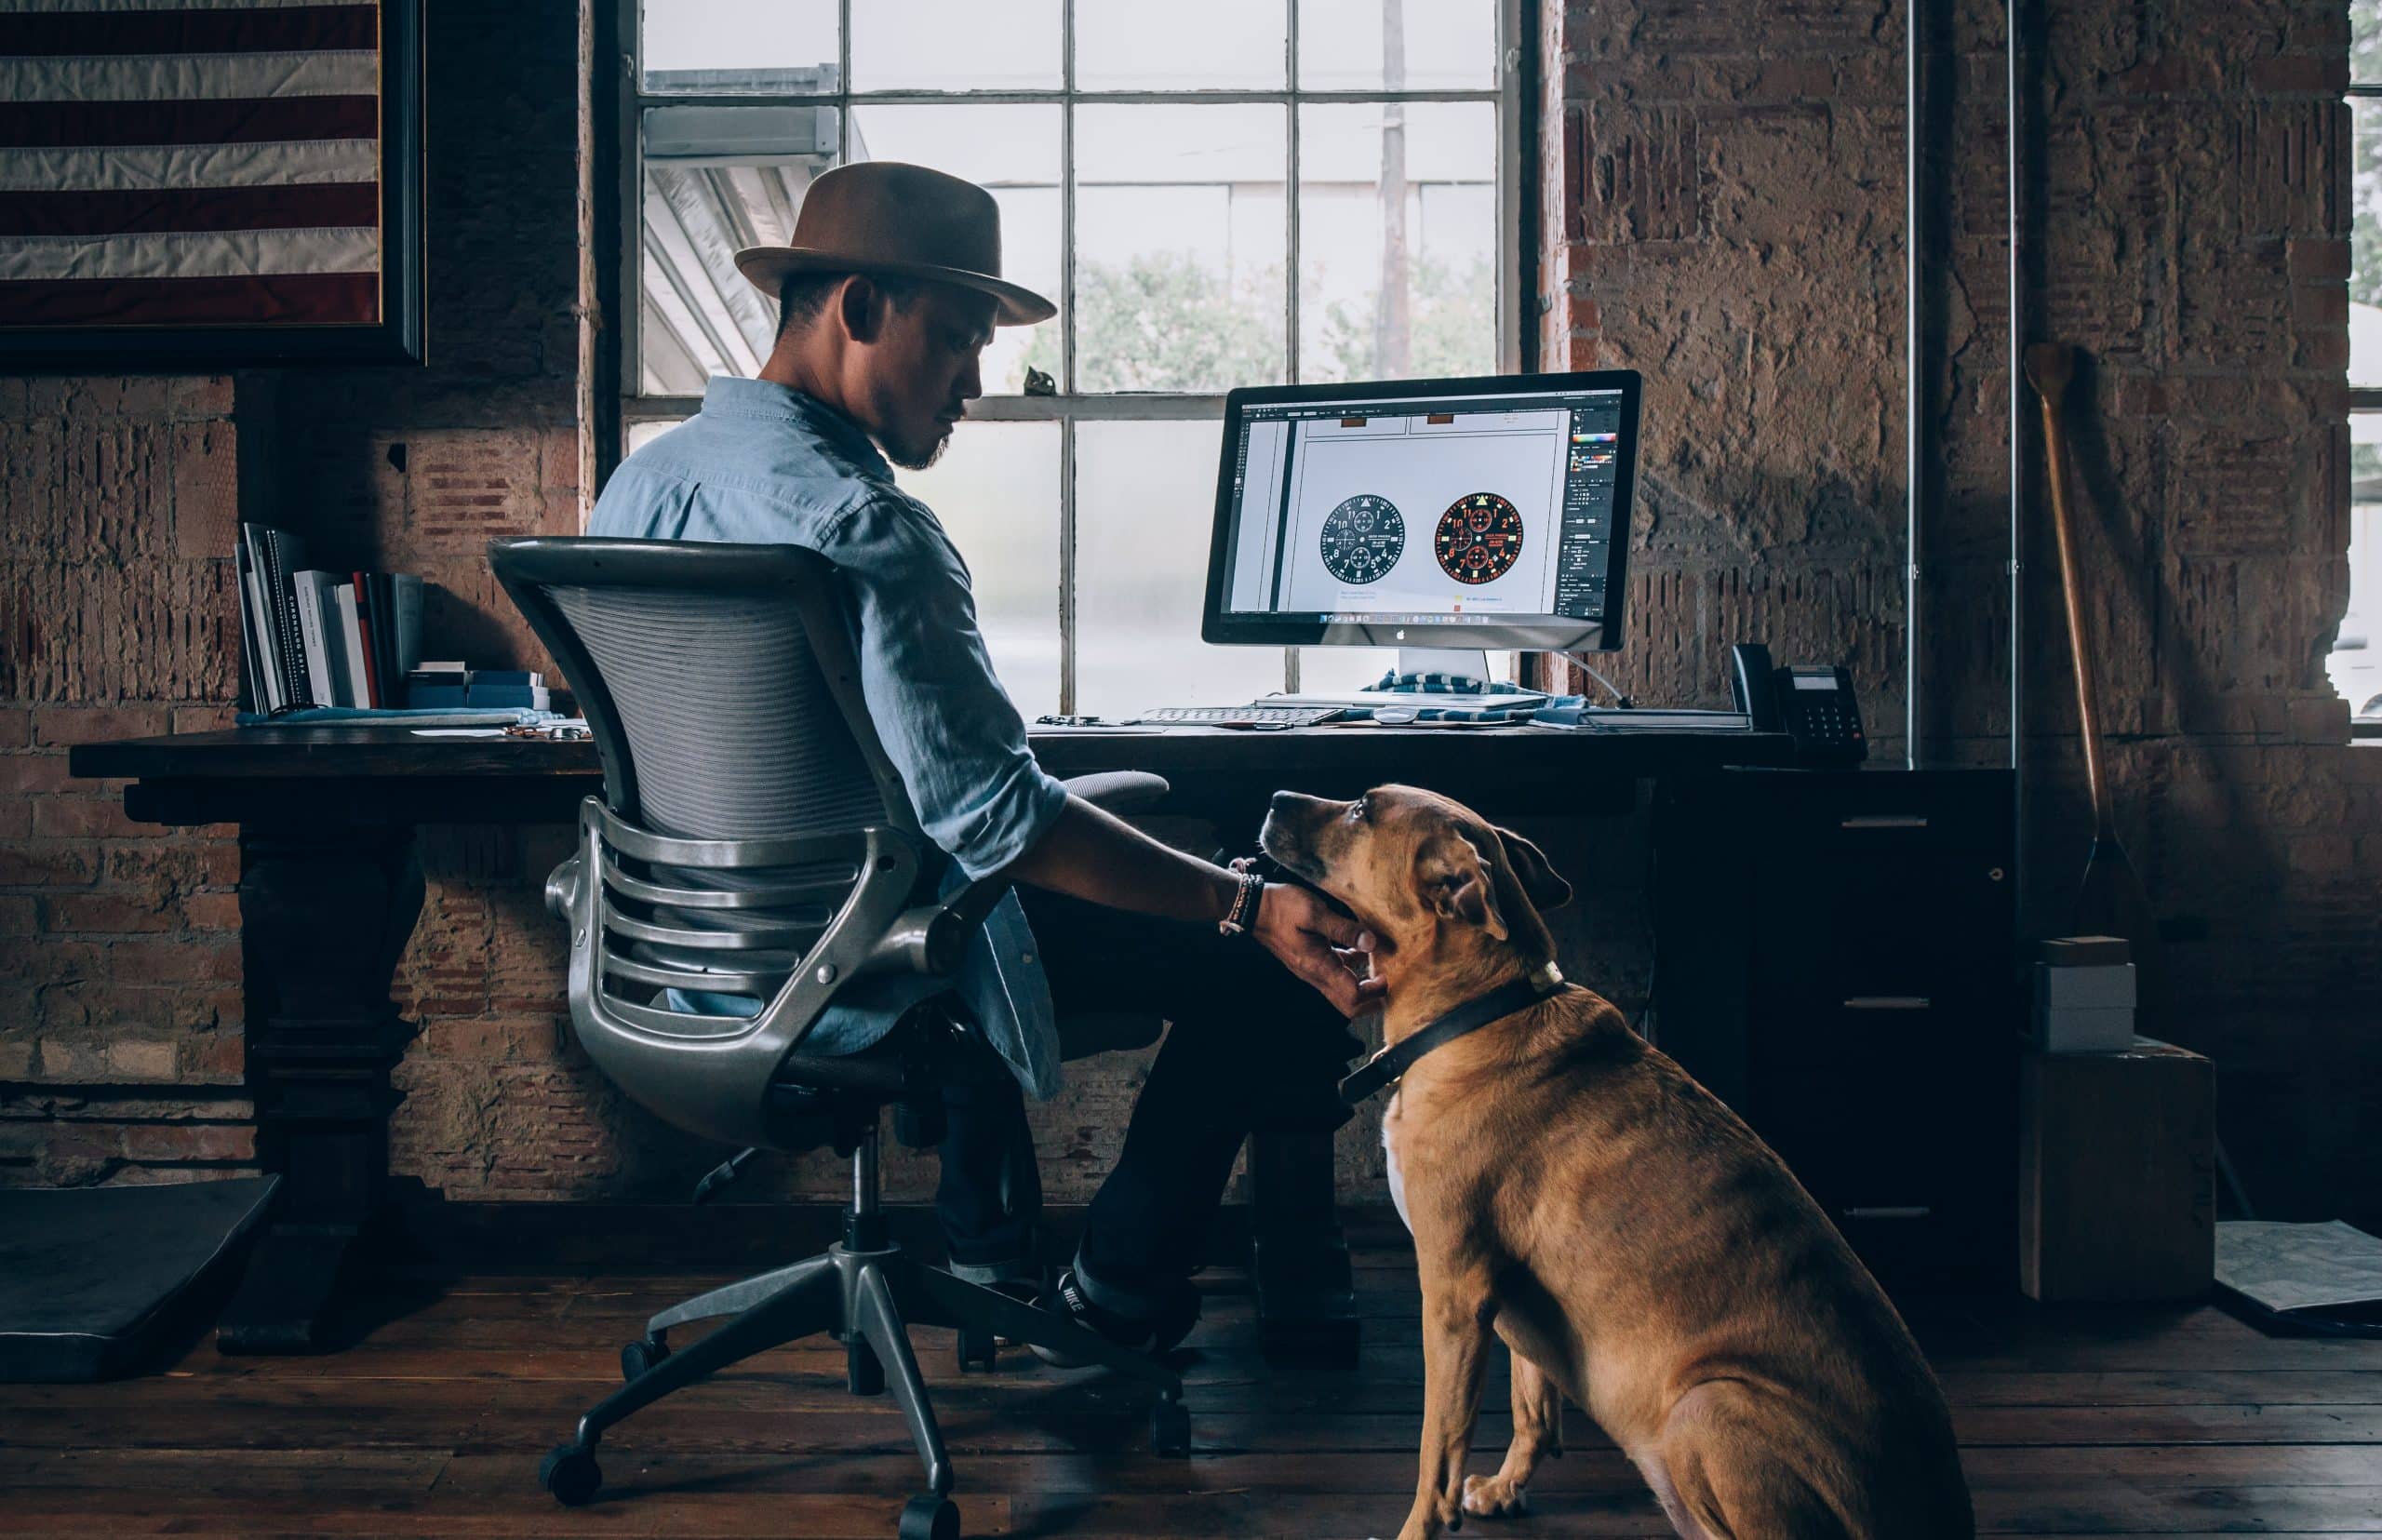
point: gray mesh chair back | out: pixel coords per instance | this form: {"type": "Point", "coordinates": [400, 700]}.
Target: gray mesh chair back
{"type": "Point", "coordinates": [753, 852]}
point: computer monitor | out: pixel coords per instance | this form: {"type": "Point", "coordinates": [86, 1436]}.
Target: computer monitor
{"type": "Point", "coordinates": [1426, 514]}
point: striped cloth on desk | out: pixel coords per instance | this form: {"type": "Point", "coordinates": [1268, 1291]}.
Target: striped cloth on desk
{"type": "Point", "coordinates": [189, 162]}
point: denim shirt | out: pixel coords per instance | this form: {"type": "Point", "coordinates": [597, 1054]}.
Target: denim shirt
{"type": "Point", "coordinates": [766, 464]}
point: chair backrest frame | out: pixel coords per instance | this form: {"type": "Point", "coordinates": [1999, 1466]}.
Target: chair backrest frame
{"type": "Point", "coordinates": [528, 566]}
{"type": "Point", "coordinates": [712, 1073]}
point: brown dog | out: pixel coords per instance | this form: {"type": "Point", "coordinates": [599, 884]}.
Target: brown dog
{"type": "Point", "coordinates": [1635, 1245]}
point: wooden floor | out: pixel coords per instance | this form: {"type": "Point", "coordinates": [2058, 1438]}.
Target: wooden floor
{"type": "Point", "coordinates": [2073, 1422]}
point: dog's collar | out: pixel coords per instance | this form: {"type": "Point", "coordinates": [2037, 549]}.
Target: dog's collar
{"type": "Point", "coordinates": [1384, 1067]}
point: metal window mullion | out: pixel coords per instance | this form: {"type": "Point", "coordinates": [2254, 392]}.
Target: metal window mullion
{"type": "Point", "coordinates": [1046, 96]}
{"type": "Point", "coordinates": [1066, 355]}
{"type": "Point", "coordinates": [1067, 566]}
{"type": "Point", "coordinates": [843, 68]}
{"type": "Point", "coordinates": [628, 325]}
{"type": "Point", "coordinates": [1290, 275]}
{"type": "Point", "coordinates": [1511, 130]}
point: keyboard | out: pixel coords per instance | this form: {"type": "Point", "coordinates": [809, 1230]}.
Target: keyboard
{"type": "Point", "coordinates": [1237, 717]}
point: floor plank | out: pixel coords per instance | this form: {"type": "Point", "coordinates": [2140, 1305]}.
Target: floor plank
{"type": "Point", "coordinates": [2074, 1422]}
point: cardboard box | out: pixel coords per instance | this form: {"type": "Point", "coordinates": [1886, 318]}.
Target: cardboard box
{"type": "Point", "coordinates": [2084, 989]}
{"type": "Point", "coordinates": [2117, 1169]}
{"type": "Point", "coordinates": [2063, 1030]}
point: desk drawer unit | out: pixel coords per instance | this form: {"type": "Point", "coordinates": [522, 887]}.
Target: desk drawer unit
{"type": "Point", "coordinates": [1835, 961]}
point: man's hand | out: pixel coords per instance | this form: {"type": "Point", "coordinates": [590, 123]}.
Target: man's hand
{"type": "Point", "coordinates": [1310, 937]}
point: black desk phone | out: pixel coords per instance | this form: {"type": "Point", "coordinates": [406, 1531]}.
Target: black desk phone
{"type": "Point", "coordinates": [1814, 707]}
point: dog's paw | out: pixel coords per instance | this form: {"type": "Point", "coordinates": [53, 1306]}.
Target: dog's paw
{"type": "Point", "coordinates": [1493, 1497]}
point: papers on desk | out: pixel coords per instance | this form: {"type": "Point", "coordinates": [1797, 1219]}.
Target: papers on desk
{"type": "Point", "coordinates": [575, 728]}
{"type": "Point", "coordinates": [1643, 720]}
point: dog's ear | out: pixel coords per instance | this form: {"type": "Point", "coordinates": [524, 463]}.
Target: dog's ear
{"type": "Point", "coordinates": [1545, 888]}
{"type": "Point", "coordinates": [1456, 884]}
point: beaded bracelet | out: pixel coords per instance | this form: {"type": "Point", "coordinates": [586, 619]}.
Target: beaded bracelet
{"type": "Point", "coordinates": [1243, 913]}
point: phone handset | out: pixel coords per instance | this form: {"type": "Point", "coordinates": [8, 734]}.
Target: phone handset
{"type": "Point", "coordinates": [1753, 685]}
{"type": "Point", "coordinates": [1813, 705]}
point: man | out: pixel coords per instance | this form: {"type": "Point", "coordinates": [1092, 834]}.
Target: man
{"type": "Point", "coordinates": [887, 296]}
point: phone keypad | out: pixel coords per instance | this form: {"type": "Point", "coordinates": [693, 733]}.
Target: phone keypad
{"type": "Point", "coordinates": [1827, 722]}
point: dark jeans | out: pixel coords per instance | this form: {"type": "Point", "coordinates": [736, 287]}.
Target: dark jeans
{"type": "Point", "coordinates": [1250, 1047]}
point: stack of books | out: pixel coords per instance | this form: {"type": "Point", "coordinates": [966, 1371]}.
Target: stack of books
{"type": "Point", "coordinates": [2084, 995]}
{"type": "Point", "coordinates": [452, 687]}
{"type": "Point", "coordinates": [310, 637]}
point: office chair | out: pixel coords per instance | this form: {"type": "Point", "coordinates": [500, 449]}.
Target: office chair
{"type": "Point", "coordinates": [754, 840]}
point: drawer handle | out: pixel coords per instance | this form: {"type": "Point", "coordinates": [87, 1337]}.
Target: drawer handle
{"type": "Point", "coordinates": [1915, 1211]}
{"type": "Point", "coordinates": [1887, 1002]}
{"type": "Point", "coordinates": [1884, 821]}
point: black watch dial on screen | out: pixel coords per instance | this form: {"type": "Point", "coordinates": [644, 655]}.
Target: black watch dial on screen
{"type": "Point", "coordinates": [1362, 539]}
{"type": "Point", "coordinates": [1480, 538]}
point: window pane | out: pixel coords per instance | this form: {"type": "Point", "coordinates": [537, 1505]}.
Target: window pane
{"type": "Point", "coordinates": [1222, 43]}
{"type": "Point", "coordinates": [1144, 508]}
{"type": "Point", "coordinates": [1398, 45]}
{"type": "Point", "coordinates": [1012, 152]}
{"type": "Point", "coordinates": [642, 434]}
{"type": "Point", "coordinates": [2355, 664]}
{"type": "Point", "coordinates": [997, 491]}
{"type": "Point", "coordinates": [2365, 42]}
{"type": "Point", "coordinates": [1179, 244]}
{"type": "Point", "coordinates": [2365, 244]}
{"type": "Point", "coordinates": [728, 47]}
{"type": "Point", "coordinates": [1337, 670]}
{"type": "Point", "coordinates": [955, 45]}
{"type": "Point", "coordinates": [1432, 246]}
{"type": "Point", "coordinates": [717, 180]}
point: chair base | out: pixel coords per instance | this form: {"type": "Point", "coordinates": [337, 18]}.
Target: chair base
{"type": "Point", "coordinates": [863, 1297]}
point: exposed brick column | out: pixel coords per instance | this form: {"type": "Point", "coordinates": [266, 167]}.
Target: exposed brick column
{"type": "Point", "coordinates": [120, 1010]}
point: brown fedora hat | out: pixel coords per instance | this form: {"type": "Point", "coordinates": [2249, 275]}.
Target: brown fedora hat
{"type": "Point", "coordinates": [881, 215]}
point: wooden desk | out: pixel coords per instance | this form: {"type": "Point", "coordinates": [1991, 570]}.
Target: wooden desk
{"type": "Point", "coordinates": [330, 888]}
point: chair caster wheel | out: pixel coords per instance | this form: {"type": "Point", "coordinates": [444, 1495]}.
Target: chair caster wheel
{"type": "Point", "coordinates": [570, 1474]}
{"type": "Point", "coordinates": [643, 1356]}
{"type": "Point", "coordinates": [1170, 1429]}
{"type": "Point", "coordinates": [978, 1350]}
{"type": "Point", "coordinates": [929, 1518]}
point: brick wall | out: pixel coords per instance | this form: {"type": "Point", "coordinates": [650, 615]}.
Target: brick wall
{"type": "Point", "coordinates": [1727, 182]}
{"type": "Point", "coordinates": [1723, 208]}
{"type": "Point", "coordinates": [120, 1046]}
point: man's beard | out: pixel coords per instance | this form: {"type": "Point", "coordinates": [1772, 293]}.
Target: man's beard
{"type": "Point", "coordinates": [917, 459]}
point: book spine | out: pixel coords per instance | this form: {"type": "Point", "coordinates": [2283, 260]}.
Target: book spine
{"type": "Point", "coordinates": [289, 648]}
{"type": "Point", "coordinates": [374, 690]}
{"type": "Point", "coordinates": [251, 678]}
{"type": "Point", "coordinates": [325, 600]}
{"type": "Point", "coordinates": [351, 631]}
{"type": "Point", "coordinates": [260, 614]}
{"type": "Point", "coordinates": [390, 683]}
{"type": "Point", "coordinates": [406, 589]}
{"type": "Point", "coordinates": [310, 629]}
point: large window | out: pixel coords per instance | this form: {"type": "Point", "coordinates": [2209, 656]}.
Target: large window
{"type": "Point", "coordinates": [2356, 660]}
{"type": "Point", "coordinates": [1163, 172]}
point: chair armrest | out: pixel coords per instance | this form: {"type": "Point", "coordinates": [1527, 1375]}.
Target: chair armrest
{"type": "Point", "coordinates": [1120, 791]}
{"type": "Point", "coordinates": [932, 937]}
{"type": "Point", "coordinates": [562, 888]}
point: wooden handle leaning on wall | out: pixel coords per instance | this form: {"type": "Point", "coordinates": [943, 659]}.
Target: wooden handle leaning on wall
{"type": "Point", "coordinates": [2051, 366]}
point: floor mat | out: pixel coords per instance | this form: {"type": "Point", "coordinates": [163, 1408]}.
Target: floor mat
{"type": "Point", "coordinates": [89, 1276]}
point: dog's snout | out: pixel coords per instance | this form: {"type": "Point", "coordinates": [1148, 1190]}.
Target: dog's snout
{"type": "Point", "coordinates": [1290, 804]}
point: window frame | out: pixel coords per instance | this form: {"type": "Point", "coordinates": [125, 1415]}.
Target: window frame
{"type": "Point", "coordinates": [617, 392]}
{"type": "Point", "coordinates": [2363, 400]}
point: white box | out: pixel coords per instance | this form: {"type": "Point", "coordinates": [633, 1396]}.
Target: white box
{"type": "Point", "coordinates": [2090, 988]}
{"type": "Point", "coordinates": [2084, 1029]}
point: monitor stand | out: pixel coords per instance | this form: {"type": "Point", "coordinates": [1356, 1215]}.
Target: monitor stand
{"type": "Point", "coordinates": [1457, 664]}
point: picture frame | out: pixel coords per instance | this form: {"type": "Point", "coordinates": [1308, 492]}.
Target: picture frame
{"type": "Point", "coordinates": [120, 254]}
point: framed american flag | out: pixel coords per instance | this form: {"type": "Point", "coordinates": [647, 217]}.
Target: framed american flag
{"type": "Point", "coordinates": [209, 183]}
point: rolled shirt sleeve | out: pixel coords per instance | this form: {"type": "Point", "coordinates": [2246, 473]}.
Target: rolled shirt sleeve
{"type": "Point", "coordinates": [949, 728]}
